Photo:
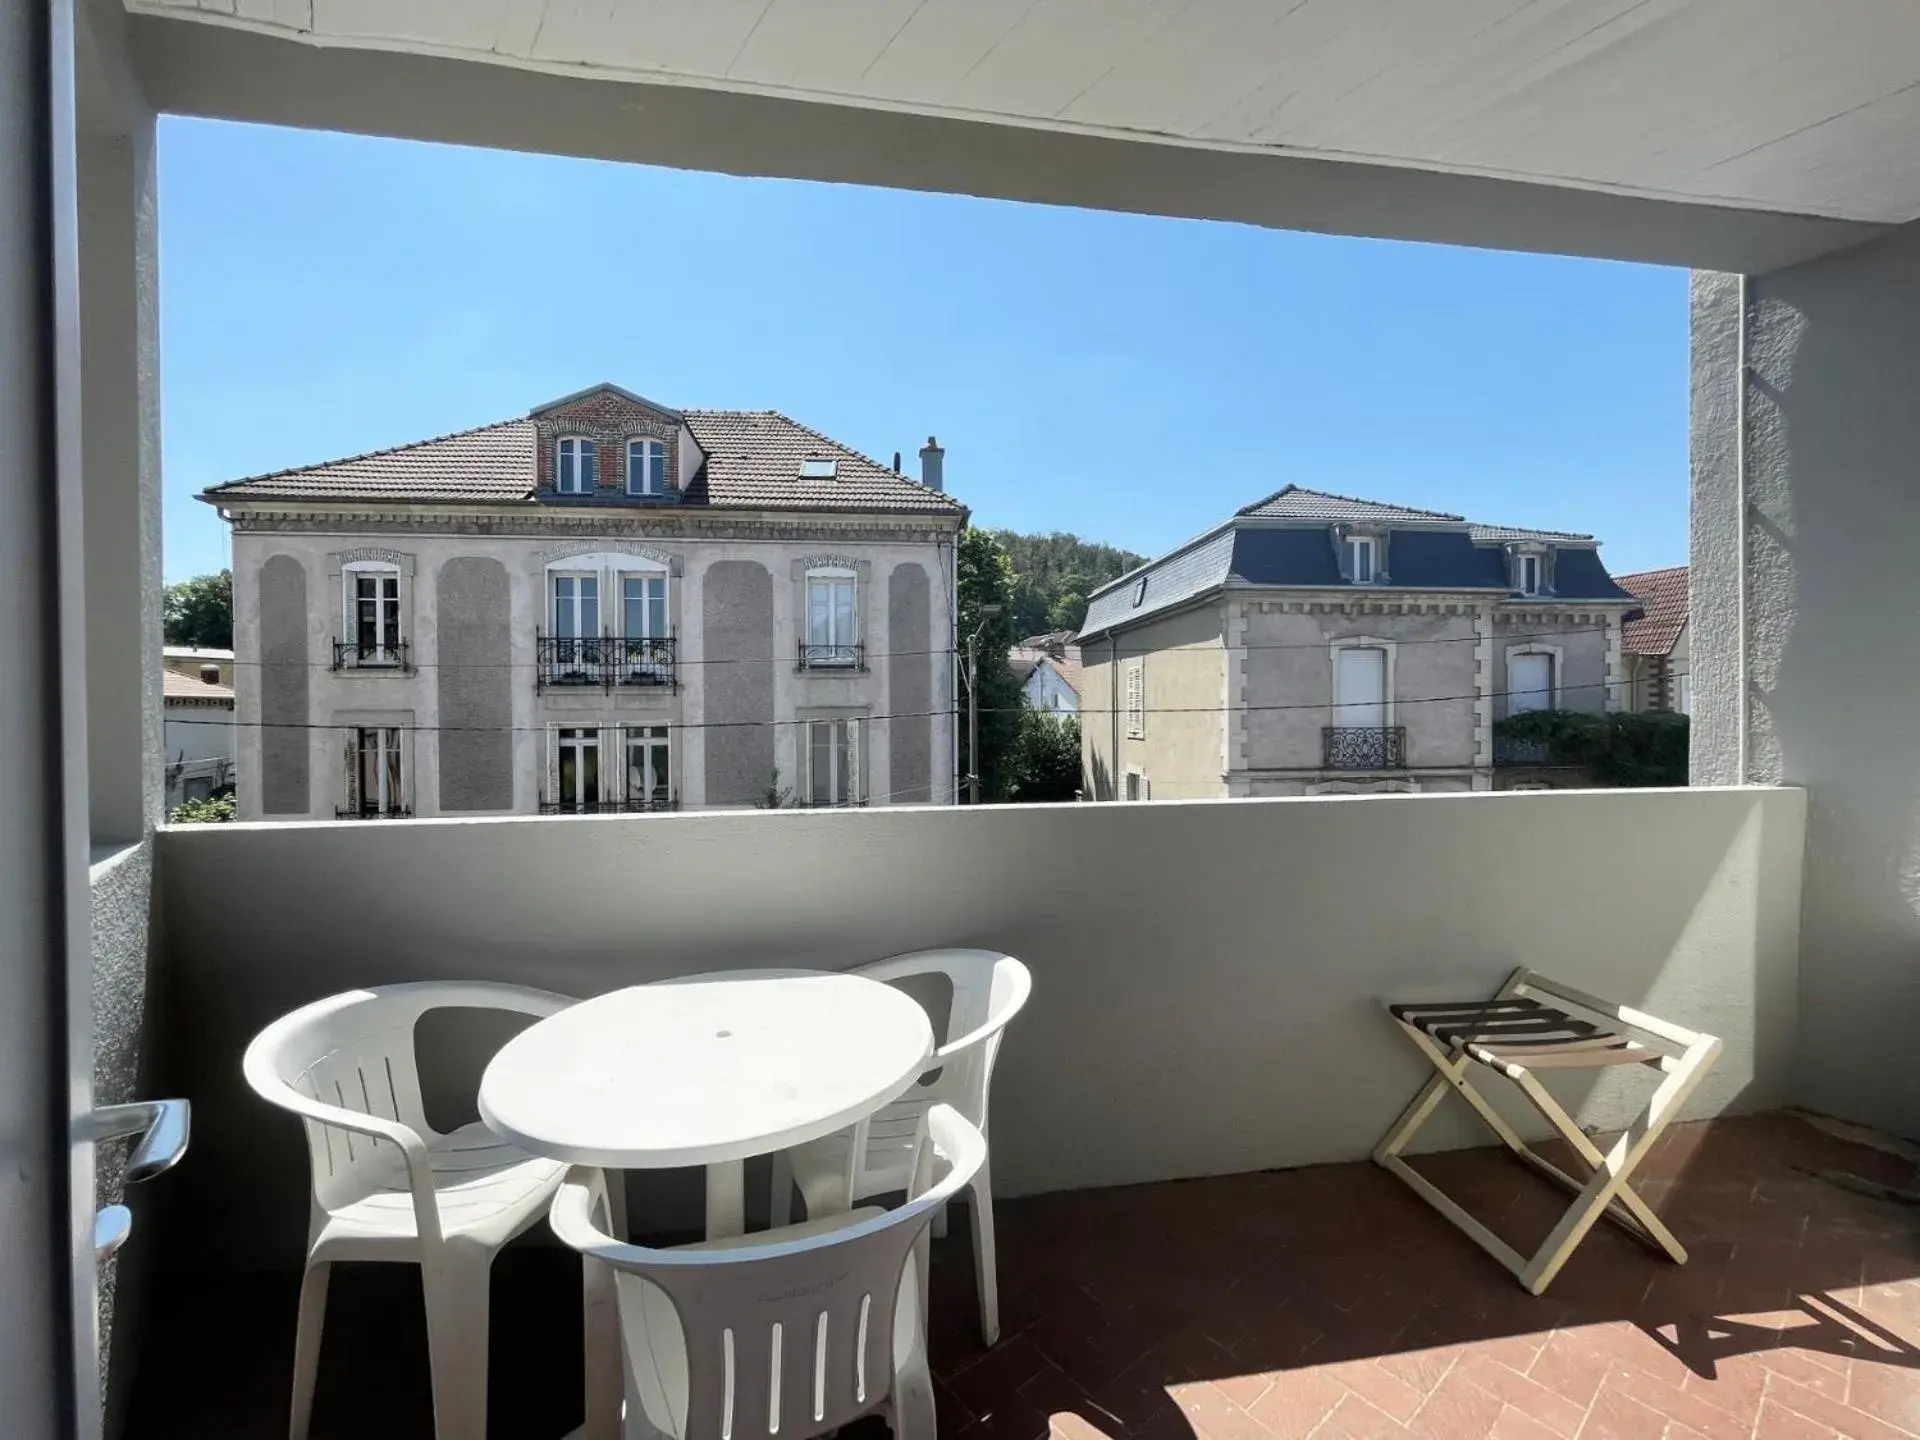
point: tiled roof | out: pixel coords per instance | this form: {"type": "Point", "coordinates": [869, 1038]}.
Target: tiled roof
{"type": "Point", "coordinates": [1052, 640]}
{"type": "Point", "coordinates": [1484, 533]}
{"type": "Point", "coordinates": [175, 686]}
{"type": "Point", "coordinates": [490, 463]}
{"type": "Point", "coordinates": [753, 463]}
{"type": "Point", "coordinates": [1296, 502]}
{"type": "Point", "coordinates": [1025, 659]}
{"type": "Point", "coordinates": [1069, 667]}
{"type": "Point", "coordinates": [1663, 610]}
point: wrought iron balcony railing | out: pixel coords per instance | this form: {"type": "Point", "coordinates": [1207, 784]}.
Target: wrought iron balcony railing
{"type": "Point", "coordinates": [1364, 747]}
{"type": "Point", "coordinates": [348, 655]}
{"type": "Point", "coordinates": [608, 807]}
{"type": "Point", "coordinates": [832, 657]}
{"type": "Point", "coordinates": [566, 662]}
{"type": "Point", "coordinates": [401, 814]}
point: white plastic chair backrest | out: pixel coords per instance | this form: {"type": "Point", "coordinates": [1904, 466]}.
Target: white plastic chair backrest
{"type": "Point", "coordinates": [356, 1051]}
{"type": "Point", "coordinates": [783, 1338]}
{"type": "Point", "coordinates": [988, 990]}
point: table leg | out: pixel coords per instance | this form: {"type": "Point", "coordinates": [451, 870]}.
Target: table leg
{"type": "Point", "coordinates": [726, 1200]}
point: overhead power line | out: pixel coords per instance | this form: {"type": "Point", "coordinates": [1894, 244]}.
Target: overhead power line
{"type": "Point", "coordinates": [640, 722]}
{"type": "Point", "coordinates": [1098, 654]}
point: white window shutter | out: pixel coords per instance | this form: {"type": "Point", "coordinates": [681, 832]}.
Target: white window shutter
{"type": "Point", "coordinates": [353, 772]}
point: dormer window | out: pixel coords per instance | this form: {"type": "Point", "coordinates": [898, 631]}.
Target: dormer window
{"type": "Point", "coordinates": [576, 466]}
{"type": "Point", "coordinates": [646, 467]}
{"type": "Point", "coordinates": [1529, 573]}
{"type": "Point", "coordinates": [1362, 557]}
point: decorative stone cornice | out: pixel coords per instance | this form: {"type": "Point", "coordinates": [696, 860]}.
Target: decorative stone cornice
{"type": "Point", "coordinates": [1369, 605]}
{"type": "Point", "coordinates": [604, 529]}
{"type": "Point", "coordinates": [1573, 613]}
{"type": "Point", "coordinates": [591, 547]}
{"type": "Point", "coordinates": [374, 554]}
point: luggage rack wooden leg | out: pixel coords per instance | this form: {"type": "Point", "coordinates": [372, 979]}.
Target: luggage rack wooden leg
{"type": "Point", "coordinates": [1607, 1191]}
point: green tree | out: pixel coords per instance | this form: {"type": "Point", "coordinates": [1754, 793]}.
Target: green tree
{"type": "Point", "coordinates": [1619, 748]}
{"type": "Point", "coordinates": [199, 612]}
{"type": "Point", "coordinates": [986, 578]}
{"type": "Point", "coordinates": [1047, 763]}
{"type": "Point", "coordinates": [216, 811]}
{"type": "Point", "coordinates": [1054, 573]}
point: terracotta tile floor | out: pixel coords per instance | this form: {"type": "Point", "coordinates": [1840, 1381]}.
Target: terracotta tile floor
{"type": "Point", "coordinates": [1326, 1302]}
{"type": "Point", "coordinates": [1331, 1302]}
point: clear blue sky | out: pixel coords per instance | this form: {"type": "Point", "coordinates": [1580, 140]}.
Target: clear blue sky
{"type": "Point", "coordinates": [1132, 380]}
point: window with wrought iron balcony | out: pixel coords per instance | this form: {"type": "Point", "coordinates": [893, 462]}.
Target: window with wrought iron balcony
{"type": "Point", "coordinates": [579, 652]}
{"type": "Point", "coordinates": [370, 620]}
{"type": "Point", "coordinates": [832, 639]}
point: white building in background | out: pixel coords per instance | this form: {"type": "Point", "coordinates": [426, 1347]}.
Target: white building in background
{"type": "Point", "coordinates": [196, 701]}
{"type": "Point", "coordinates": [1048, 669]}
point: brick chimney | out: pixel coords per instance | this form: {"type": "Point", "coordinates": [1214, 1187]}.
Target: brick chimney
{"type": "Point", "coordinates": [933, 462]}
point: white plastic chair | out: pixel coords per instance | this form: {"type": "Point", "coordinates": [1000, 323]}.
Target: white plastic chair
{"type": "Point", "coordinates": [876, 1156]}
{"type": "Point", "coordinates": [791, 1332]}
{"type": "Point", "coordinates": [386, 1186]}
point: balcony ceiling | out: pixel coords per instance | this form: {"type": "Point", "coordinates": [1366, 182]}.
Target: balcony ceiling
{"type": "Point", "coordinates": [1781, 106]}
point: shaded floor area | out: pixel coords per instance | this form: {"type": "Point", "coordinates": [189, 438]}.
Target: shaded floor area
{"type": "Point", "coordinates": [1327, 1302]}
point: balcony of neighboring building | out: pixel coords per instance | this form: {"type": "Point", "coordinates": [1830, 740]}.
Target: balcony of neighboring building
{"type": "Point", "coordinates": [608, 662]}
{"type": "Point", "coordinates": [1364, 747]}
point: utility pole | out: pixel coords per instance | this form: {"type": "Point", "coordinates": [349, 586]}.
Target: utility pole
{"type": "Point", "coordinates": [988, 613]}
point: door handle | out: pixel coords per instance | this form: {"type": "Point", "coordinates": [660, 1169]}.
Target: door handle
{"type": "Point", "coordinates": [163, 1127]}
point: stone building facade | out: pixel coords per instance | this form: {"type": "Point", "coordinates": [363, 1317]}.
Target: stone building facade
{"type": "Point", "coordinates": [607, 605]}
{"type": "Point", "coordinates": [1318, 644]}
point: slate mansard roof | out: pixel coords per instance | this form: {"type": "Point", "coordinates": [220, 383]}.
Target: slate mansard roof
{"type": "Point", "coordinates": [1287, 540]}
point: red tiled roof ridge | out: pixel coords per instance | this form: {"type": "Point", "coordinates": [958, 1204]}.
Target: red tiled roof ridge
{"type": "Point", "coordinates": [1664, 610]}
{"type": "Point", "coordinates": [376, 454]}
{"type": "Point", "coordinates": [1663, 573]}
{"type": "Point", "coordinates": [840, 445]}
{"type": "Point", "coordinates": [751, 459]}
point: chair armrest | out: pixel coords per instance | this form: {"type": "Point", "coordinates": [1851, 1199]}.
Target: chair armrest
{"type": "Point", "coordinates": [404, 1138]}
{"type": "Point", "coordinates": [966, 1042]}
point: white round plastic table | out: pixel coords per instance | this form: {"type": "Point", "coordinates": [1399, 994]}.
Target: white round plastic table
{"type": "Point", "coordinates": [706, 1070]}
